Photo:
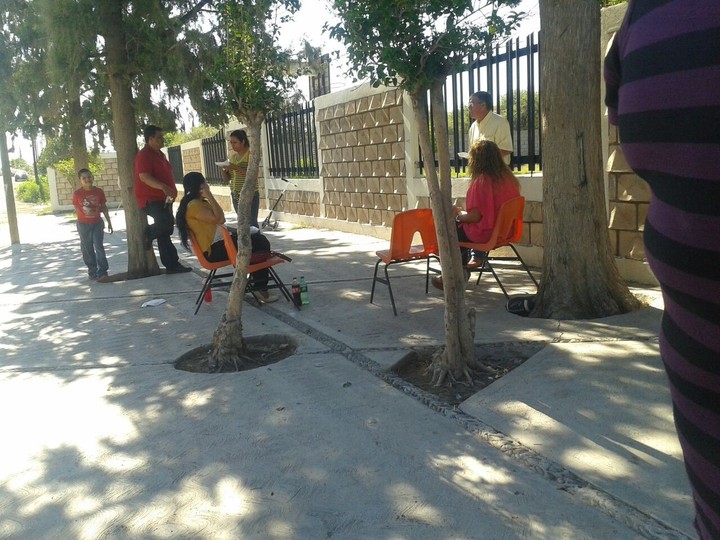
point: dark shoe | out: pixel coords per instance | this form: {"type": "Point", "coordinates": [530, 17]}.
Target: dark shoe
{"type": "Point", "coordinates": [179, 269]}
{"type": "Point", "coordinates": [103, 279]}
{"type": "Point", "coordinates": [437, 282]}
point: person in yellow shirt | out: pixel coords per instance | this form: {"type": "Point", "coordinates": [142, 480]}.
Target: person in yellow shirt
{"type": "Point", "coordinates": [236, 172]}
{"type": "Point", "coordinates": [200, 213]}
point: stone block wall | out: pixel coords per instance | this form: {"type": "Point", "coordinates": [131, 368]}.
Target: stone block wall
{"type": "Point", "coordinates": [192, 160]}
{"type": "Point", "coordinates": [297, 202]}
{"type": "Point", "coordinates": [629, 198]}
{"type": "Point", "coordinates": [362, 148]}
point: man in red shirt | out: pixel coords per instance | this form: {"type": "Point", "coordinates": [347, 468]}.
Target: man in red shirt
{"type": "Point", "coordinates": [155, 192]}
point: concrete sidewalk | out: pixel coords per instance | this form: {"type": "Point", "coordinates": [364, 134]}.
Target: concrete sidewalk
{"type": "Point", "coordinates": [103, 438]}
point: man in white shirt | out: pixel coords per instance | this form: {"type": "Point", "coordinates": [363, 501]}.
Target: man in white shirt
{"type": "Point", "coordinates": [489, 125]}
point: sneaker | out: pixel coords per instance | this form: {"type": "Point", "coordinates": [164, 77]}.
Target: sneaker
{"type": "Point", "coordinates": [103, 279]}
{"type": "Point", "coordinates": [437, 282]}
{"type": "Point", "coordinates": [266, 297]}
{"type": "Point", "coordinates": [473, 263]}
{"type": "Point", "coordinates": [179, 269]}
{"type": "Point", "coordinates": [92, 278]}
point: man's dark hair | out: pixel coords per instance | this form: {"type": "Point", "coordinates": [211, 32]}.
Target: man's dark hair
{"type": "Point", "coordinates": [485, 97]}
{"type": "Point", "coordinates": [150, 131]}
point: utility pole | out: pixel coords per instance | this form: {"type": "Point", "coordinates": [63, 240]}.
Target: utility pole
{"type": "Point", "coordinates": [9, 195]}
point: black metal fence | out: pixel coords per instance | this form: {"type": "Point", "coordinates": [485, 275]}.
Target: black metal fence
{"type": "Point", "coordinates": [511, 75]}
{"type": "Point", "coordinates": [214, 149]}
{"type": "Point", "coordinates": [292, 142]}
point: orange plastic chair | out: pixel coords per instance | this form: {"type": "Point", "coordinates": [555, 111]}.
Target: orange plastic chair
{"type": "Point", "coordinates": [213, 279]}
{"type": "Point", "coordinates": [274, 281]}
{"type": "Point", "coordinates": [401, 250]}
{"type": "Point", "coordinates": [508, 229]}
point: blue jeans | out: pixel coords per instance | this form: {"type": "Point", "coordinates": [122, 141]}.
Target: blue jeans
{"type": "Point", "coordinates": [92, 236]}
{"type": "Point", "coordinates": [254, 207]}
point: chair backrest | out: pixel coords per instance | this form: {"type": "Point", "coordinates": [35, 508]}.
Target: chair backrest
{"type": "Point", "coordinates": [208, 265]}
{"type": "Point", "coordinates": [405, 225]}
{"type": "Point", "coordinates": [509, 223]}
{"type": "Point", "coordinates": [230, 246]}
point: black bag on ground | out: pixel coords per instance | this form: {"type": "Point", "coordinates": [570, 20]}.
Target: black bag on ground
{"type": "Point", "coordinates": [521, 304]}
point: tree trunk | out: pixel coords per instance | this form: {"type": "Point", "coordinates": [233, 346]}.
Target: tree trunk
{"type": "Point", "coordinates": [76, 127]}
{"type": "Point", "coordinates": [580, 279]}
{"type": "Point", "coordinates": [8, 188]}
{"type": "Point", "coordinates": [228, 342]}
{"type": "Point", "coordinates": [457, 359]}
{"type": "Point", "coordinates": [141, 262]}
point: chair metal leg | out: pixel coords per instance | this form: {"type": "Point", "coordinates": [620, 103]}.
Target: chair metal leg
{"type": "Point", "coordinates": [522, 262]}
{"type": "Point", "coordinates": [206, 286]}
{"type": "Point", "coordinates": [392, 298]}
{"type": "Point", "coordinates": [375, 279]}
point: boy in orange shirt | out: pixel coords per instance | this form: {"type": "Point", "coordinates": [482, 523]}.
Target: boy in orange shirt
{"type": "Point", "coordinates": [89, 202]}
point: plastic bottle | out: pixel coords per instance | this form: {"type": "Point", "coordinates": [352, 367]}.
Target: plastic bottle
{"type": "Point", "coordinates": [296, 292]}
{"type": "Point", "coordinates": [304, 294]}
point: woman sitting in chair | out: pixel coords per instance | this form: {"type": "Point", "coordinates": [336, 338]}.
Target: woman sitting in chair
{"type": "Point", "coordinates": [493, 184]}
{"type": "Point", "coordinates": [200, 213]}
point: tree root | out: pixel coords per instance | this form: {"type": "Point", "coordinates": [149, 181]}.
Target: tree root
{"type": "Point", "coordinates": [444, 374]}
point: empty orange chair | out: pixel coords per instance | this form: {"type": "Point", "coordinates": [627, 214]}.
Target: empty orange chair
{"type": "Point", "coordinates": [508, 229]}
{"type": "Point", "coordinates": [405, 226]}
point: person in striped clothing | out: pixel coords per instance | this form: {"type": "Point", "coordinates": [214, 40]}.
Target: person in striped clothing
{"type": "Point", "coordinates": [662, 76]}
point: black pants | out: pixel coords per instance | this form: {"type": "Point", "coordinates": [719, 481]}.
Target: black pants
{"type": "Point", "coordinates": [462, 237]}
{"type": "Point", "coordinates": [260, 244]}
{"type": "Point", "coordinates": [161, 230]}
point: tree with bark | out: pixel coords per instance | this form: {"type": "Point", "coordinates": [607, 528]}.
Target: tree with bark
{"type": "Point", "coordinates": [580, 278]}
{"type": "Point", "coordinates": [255, 75]}
{"type": "Point", "coordinates": [415, 46]}
{"type": "Point", "coordinates": [143, 53]}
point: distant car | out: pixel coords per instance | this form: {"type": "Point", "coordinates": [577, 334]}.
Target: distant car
{"type": "Point", "coordinates": [20, 176]}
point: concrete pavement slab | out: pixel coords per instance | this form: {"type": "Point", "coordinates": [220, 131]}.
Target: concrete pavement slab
{"type": "Point", "coordinates": [603, 411]}
{"type": "Point", "coordinates": [122, 445]}
{"type": "Point", "coordinates": [311, 447]}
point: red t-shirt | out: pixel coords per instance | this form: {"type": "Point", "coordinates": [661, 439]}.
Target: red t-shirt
{"type": "Point", "coordinates": [488, 199]}
{"type": "Point", "coordinates": [89, 204]}
{"type": "Point", "coordinates": [156, 165]}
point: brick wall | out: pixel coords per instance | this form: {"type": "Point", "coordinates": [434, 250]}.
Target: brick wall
{"type": "Point", "coordinates": [362, 146]}
{"type": "Point", "coordinates": [629, 198]}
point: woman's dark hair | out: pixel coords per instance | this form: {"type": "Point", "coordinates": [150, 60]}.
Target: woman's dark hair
{"type": "Point", "coordinates": [241, 136]}
{"type": "Point", "coordinates": [191, 183]}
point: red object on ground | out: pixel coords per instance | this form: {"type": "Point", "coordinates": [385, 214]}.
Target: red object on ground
{"type": "Point", "coordinates": [208, 295]}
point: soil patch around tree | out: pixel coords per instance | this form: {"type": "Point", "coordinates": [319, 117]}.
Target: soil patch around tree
{"type": "Point", "coordinates": [501, 357]}
{"type": "Point", "coordinates": [259, 351]}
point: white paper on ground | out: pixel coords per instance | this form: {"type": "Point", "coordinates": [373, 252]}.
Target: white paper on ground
{"type": "Point", "coordinates": [154, 302]}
